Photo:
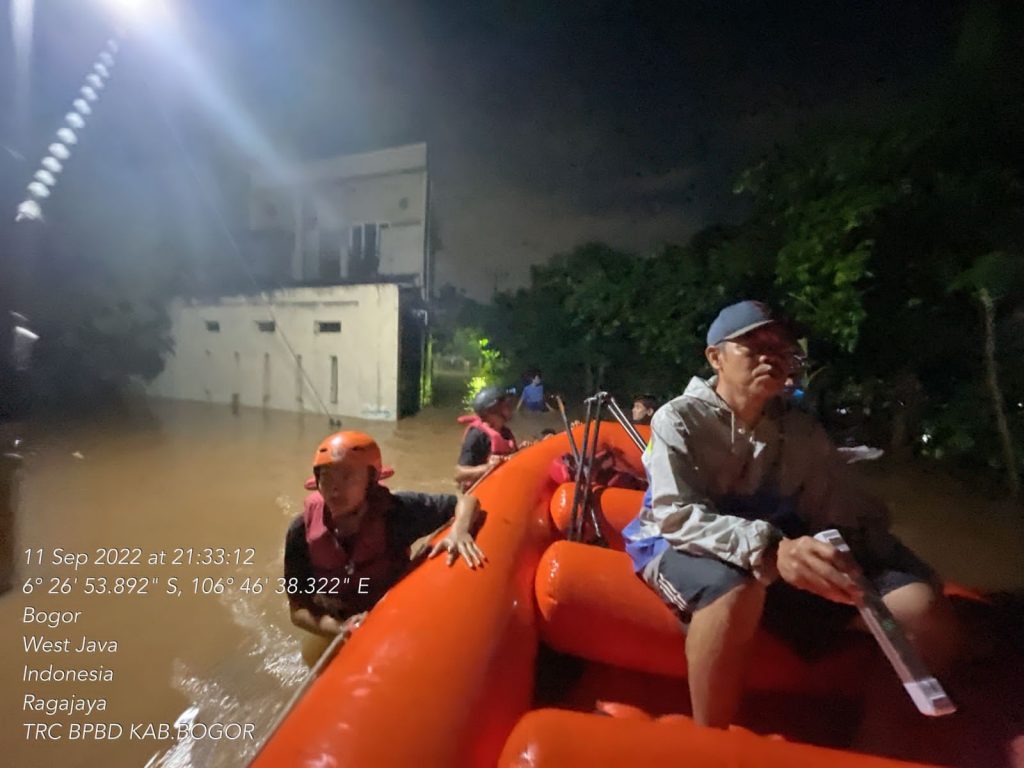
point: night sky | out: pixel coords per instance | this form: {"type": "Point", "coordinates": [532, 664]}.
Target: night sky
{"type": "Point", "coordinates": [548, 123]}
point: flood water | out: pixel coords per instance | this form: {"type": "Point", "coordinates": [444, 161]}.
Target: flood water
{"type": "Point", "coordinates": [193, 476]}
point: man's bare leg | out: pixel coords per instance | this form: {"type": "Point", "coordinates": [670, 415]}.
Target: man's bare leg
{"type": "Point", "coordinates": [718, 645]}
{"type": "Point", "coordinates": [891, 724]}
{"type": "Point", "coordinates": [927, 618]}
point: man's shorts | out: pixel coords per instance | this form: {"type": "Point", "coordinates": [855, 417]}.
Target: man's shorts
{"type": "Point", "coordinates": [807, 623]}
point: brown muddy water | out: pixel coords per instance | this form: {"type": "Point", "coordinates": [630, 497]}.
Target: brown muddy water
{"type": "Point", "coordinates": [195, 649]}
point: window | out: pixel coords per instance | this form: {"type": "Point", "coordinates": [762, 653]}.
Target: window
{"type": "Point", "coordinates": [323, 326]}
{"type": "Point", "coordinates": [370, 249]}
{"type": "Point", "coordinates": [364, 249]}
{"type": "Point", "coordinates": [266, 326]}
{"type": "Point", "coordinates": [213, 326]}
{"type": "Point", "coordinates": [355, 243]}
{"type": "Point", "coordinates": [334, 379]}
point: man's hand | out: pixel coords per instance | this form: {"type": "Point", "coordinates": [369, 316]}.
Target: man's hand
{"type": "Point", "coordinates": [494, 460]}
{"type": "Point", "coordinates": [460, 543]}
{"type": "Point", "coordinates": [817, 567]}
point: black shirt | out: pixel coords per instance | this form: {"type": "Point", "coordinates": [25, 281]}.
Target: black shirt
{"type": "Point", "coordinates": [409, 515]}
{"type": "Point", "coordinates": [476, 447]}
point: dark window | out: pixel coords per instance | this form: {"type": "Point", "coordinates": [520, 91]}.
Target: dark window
{"type": "Point", "coordinates": [356, 245]}
{"type": "Point", "coordinates": [364, 250]}
{"type": "Point", "coordinates": [325, 327]}
{"type": "Point", "coordinates": [370, 242]}
{"type": "Point", "coordinates": [213, 326]}
{"type": "Point", "coordinates": [266, 326]}
{"type": "Point", "coordinates": [330, 256]}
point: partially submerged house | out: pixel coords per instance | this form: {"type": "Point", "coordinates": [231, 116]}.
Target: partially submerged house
{"type": "Point", "coordinates": [347, 241]}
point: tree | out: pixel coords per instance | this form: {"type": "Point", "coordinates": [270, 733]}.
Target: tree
{"type": "Point", "coordinates": [597, 317]}
{"type": "Point", "coordinates": [989, 279]}
{"type": "Point", "coordinates": [95, 288]}
{"type": "Point", "coordinates": [887, 238]}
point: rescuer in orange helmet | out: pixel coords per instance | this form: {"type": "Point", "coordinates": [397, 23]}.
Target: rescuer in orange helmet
{"type": "Point", "coordinates": [352, 542]}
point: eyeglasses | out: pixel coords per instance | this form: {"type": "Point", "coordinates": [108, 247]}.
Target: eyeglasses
{"type": "Point", "coordinates": [792, 357]}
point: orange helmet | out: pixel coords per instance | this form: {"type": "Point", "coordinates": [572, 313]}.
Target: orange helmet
{"type": "Point", "coordinates": [352, 449]}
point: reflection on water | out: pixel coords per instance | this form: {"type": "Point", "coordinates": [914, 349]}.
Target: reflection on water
{"type": "Point", "coordinates": [193, 476]}
{"type": "Point", "coordinates": [187, 476]}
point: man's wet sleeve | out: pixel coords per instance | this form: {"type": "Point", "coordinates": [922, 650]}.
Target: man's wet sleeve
{"type": "Point", "coordinates": [476, 448]}
{"type": "Point", "coordinates": [424, 513]}
{"type": "Point", "coordinates": [297, 564]}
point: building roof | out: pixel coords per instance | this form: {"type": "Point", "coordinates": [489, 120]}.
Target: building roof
{"type": "Point", "coordinates": [410, 157]}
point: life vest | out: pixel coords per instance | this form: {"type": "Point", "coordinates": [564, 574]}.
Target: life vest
{"type": "Point", "coordinates": [500, 445]}
{"type": "Point", "coordinates": [354, 580]}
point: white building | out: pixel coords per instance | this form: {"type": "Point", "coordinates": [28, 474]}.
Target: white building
{"type": "Point", "coordinates": [347, 239]}
{"type": "Point", "coordinates": [354, 218]}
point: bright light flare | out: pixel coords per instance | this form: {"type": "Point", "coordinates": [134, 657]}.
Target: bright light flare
{"type": "Point", "coordinates": [138, 11]}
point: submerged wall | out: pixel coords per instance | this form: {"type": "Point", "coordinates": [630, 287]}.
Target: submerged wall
{"type": "Point", "coordinates": [344, 347]}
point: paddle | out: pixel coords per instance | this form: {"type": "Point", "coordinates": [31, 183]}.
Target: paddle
{"type": "Point", "coordinates": [924, 689]}
{"type": "Point", "coordinates": [627, 425]}
{"type": "Point", "coordinates": [568, 429]}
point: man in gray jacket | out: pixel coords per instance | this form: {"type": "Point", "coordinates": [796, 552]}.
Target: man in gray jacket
{"type": "Point", "coordinates": [739, 483]}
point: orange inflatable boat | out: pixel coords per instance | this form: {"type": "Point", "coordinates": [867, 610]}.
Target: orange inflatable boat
{"type": "Point", "coordinates": [555, 654]}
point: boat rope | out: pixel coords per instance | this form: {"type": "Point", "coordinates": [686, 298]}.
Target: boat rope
{"type": "Point", "coordinates": [315, 672]}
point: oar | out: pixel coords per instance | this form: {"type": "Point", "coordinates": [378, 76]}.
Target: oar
{"type": "Point", "coordinates": [568, 429]}
{"type": "Point", "coordinates": [924, 689]}
{"type": "Point", "coordinates": [575, 521]}
{"type": "Point", "coordinates": [626, 424]}
{"type": "Point", "coordinates": [583, 489]}
{"type": "Point", "coordinates": [588, 490]}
